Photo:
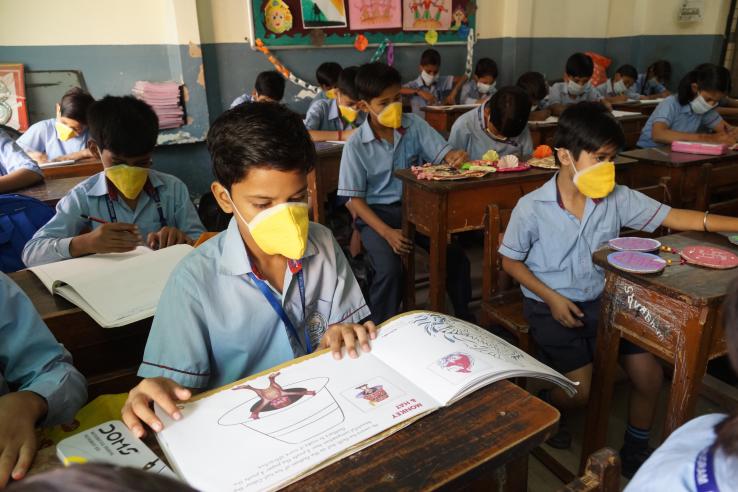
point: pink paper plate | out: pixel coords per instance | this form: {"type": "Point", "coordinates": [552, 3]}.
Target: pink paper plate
{"type": "Point", "coordinates": [634, 244]}
{"type": "Point", "coordinates": [708, 256]}
{"type": "Point", "coordinates": [523, 167]}
{"type": "Point", "coordinates": [636, 261]}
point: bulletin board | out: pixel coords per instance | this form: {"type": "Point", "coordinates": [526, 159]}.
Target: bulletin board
{"type": "Point", "coordinates": [311, 23]}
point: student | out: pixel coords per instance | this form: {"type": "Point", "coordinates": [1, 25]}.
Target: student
{"type": "Point", "coordinates": [126, 204]}
{"type": "Point", "coordinates": [225, 303]}
{"type": "Point", "coordinates": [268, 87]}
{"type": "Point", "coordinates": [683, 115]}
{"type": "Point", "coordinates": [500, 124]}
{"type": "Point", "coordinates": [548, 248]}
{"type": "Point", "coordinates": [327, 77]}
{"type": "Point", "coordinates": [387, 141]}
{"type": "Point", "coordinates": [336, 119]}
{"type": "Point", "coordinates": [621, 86]}
{"type": "Point", "coordinates": [534, 84]}
{"type": "Point", "coordinates": [47, 389]}
{"type": "Point", "coordinates": [652, 84]}
{"type": "Point", "coordinates": [709, 442]}
{"type": "Point", "coordinates": [430, 87]}
{"type": "Point", "coordinates": [482, 85]}
{"type": "Point", "coordinates": [64, 137]}
{"type": "Point", "coordinates": [576, 86]}
{"type": "Point", "coordinates": [17, 170]}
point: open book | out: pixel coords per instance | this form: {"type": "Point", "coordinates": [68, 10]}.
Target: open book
{"type": "Point", "coordinates": [270, 430]}
{"type": "Point", "coordinates": [115, 289]}
{"type": "Point", "coordinates": [453, 106]}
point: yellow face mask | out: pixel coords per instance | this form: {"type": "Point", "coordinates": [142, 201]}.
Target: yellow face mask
{"type": "Point", "coordinates": [348, 113]}
{"type": "Point", "coordinates": [64, 132]}
{"type": "Point", "coordinates": [330, 93]}
{"type": "Point", "coordinates": [391, 115]}
{"type": "Point", "coordinates": [597, 181]}
{"type": "Point", "coordinates": [129, 180]}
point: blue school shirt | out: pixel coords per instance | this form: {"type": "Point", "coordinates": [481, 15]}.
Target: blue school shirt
{"type": "Point", "coordinates": [90, 197]}
{"type": "Point", "coordinates": [368, 163]}
{"type": "Point", "coordinates": [645, 87]}
{"type": "Point", "coordinates": [606, 90]}
{"type": "Point", "coordinates": [440, 89]}
{"type": "Point", "coordinates": [559, 94]}
{"type": "Point", "coordinates": [470, 94]}
{"type": "Point", "coordinates": [42, 137]}
{"type": "Point", "coordinates": [243, 98]}
{"type": "Point", "coordinates": [13, 158]}
{"type": "Point", "coordinates": [469, 133]}
{"type": "Point", "coordinates": [325, 114]}
{"type": "Point", "coordinates": [671, 466]}
{"type": "Point", "coordinates": [214, 326]}
{"type": "Point", "coordinates": [678, 118]}
{"type": "Point", "coordinates": [558, 248]}
{"type": "Point", "coordinates": [32, 360]}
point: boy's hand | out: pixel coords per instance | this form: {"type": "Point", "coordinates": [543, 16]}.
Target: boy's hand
{"type": "Point", "coordinates": [456, 158]}
{"type": "Point", "coordinates": [113, 237]}
{"type": "Point", "coordinates": [427, 96]}
{"type": "Point", "coordinates": [565, 312]}
{"type": "Point", "coordinates": [19, 412]}
{"type": "Point", "coordinates": [449, 101]}
{"type": "Point", "coordinates": [399, 243]}
{"type": "Point", "coordinates": [162, 391]}
{"type": "Point", "coordinates": [348, 334]}
{"type": "Point", "coordinates": [39, 157]}
{"type": "Point", "coordinates": [724, 138]}
{"type": "Point", "coordinates": [167, 236]}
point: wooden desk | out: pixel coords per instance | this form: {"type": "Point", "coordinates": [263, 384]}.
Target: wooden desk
{"type": "Point", "coordinates": [645, 109]}
{"type": "Point", "coordinates": [324, 178]}
{"type": "Point", "coordinates": [51, 191]}
{"type": "Point", "coordinates": [108, 357]}
{"type": "Point", "coordinates": [543, 133]}
{"type": "Point", "coordinates": [84, 167]}
{"type": "Point", "coordinates": [442, 119]}
{"type": "Point", "coordinates": [674, 315]}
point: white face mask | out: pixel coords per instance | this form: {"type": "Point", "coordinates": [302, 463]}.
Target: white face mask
{"type": "Point", "coordinates": [575, 89]}
{"type": "Point", "coordinates": [619, 87]}
{"type": "Point", "coordinates": [486, 88]}
{"type": "Point", "coordinates": [700, 106]}
{"type": "Point", "coordinates": [428, 79]}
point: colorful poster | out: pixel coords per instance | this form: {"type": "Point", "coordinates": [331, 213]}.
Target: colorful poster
{"type": "Point", "coordinates": [13, 109]}
{"type": "Point", "coordinates": [375, 14]}
{"type": "Point", "coordinates": [424, 15]}
{"type": "Point", "coordinates": [277, 16]}
{"type": "Point", "coordinates": [321, 14]}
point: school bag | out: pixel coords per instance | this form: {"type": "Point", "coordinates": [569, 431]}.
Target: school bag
{"type": "Point", "coordinates": [20, 218]}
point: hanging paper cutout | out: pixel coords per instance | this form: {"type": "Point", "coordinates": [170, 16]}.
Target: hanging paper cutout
{"type": "Point", "coordinates": [361, 42]}
{"type": "Point", "coordinates": [277, 16]}
{"type": "Point", "coordinates": [260, 46]}
{"type": "Point", "coordinates": [431, 37]}
{"type": "Point", "coordinates": [459, 18]}
{"type": "Point", "coordinates": [390, 53]}
{"type": "Point", "coordinates": [469, 53]}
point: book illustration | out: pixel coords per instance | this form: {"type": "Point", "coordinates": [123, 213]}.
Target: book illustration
{"type": "Point", "coordinates": [291, 413]}
{"type": "Point", "coordinates": [457, 362]}
{"type": "Point", "coordinates": [372, 394]}
{"type": "Point", "coordinates": [458, 367]}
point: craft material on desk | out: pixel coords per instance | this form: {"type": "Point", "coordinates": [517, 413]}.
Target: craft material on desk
{"type": "Point", "coordinates": [543, 163]}
{"type": "Point", "coordinates": [636, 261]}
{"type": "Point", "coordinates": [57, 163]}
{"type": "Point", "coordinates": [274, 428]}
{"type": "Point", "coordinates": [444, 172]}
{"type": "Point", "coordinates": [643, 244]}
{"type": "Point", "coordinates": [710, 257]}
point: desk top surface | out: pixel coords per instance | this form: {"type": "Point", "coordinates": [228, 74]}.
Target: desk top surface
{"type": "Point", "coordinates": [52, 190]}
{"type": "Point", "coordinates": [83, 167]}
{"type": "Point", "coordinates": [46, 304]}
{"type": "Point", "coordinates": [664, 156]}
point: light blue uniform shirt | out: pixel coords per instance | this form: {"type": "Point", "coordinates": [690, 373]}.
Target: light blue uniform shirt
{"type": "Point", "coordinates": [13, 158]}
{"type": "Point", "coordinates": [606, 90]}
{"type": "Point", "coordinates": [650, 88]}
{"type": "Point", "coordinates": [214, 326]}
{"type": "Point", "coordinates": [42, 137]}
{"type": "Point", "coordinates": [440, 89]}
{"type": "Point", "coordinates": [368, 163]}
{"type": "Point", "coordinates": [557, 247]}
{"type": "Point", "coordinates": [51, 242]}
{"type": "Point", "coordinates": [325, 114]}
{"type": "Point", "coordinates": [671, 466]}
{"type": "Point", "coordinates": [469, 133]}
{"type": "Point", "coordinates": [32, 360]}
{"type": "Point", "coordinates": [243, 98]}
{"type": "Point", "coordinates": [678, 118]}
{"type": "Point", "coordinates": [559, 94]}
{"type": "Point", "coordinates": [471, 95]}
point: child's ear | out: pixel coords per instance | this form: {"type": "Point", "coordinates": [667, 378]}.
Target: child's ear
{"type": "Point", "coordinates": [221, 196]}
{"type": "Point", "coordinates": [695, 88]}
{"type": "Point", "coordinates": [362, 105]}
{"type": "Point", "coordinates": [58, 110]}
{"type": "Point", "coordinates": [564, 156]}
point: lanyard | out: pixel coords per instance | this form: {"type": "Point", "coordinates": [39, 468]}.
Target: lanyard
{"type": "Point", "coordinates": [151, 191]}
{"type": "Point", "coordinates": [704, 471]}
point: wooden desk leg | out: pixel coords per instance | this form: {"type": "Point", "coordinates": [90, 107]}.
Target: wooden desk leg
{"type": "Point", "coordinates": [316, 194]}
{"type": "Point", "coordinates": [437, 258]}
{"type": "Point", "coordinates": [516, 475]}
{"type": "Point", "coordinates": [408, 261]}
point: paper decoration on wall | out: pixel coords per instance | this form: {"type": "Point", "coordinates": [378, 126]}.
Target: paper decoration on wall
{"type": "Point", "coordinates": [375, 14]}
{"type": "Point", "coordinates": [13, 109]}
{"type": "Point", "coordinates": [421, 15]}
{"type": "Point", "coordinates": [317, 37]}
{"type": "Point", "coordinates": [380, 51]}
{"type": "Point", "coordinates": [469, 53]}
{"type": "Point", "coordinates": [277, 16]}
{"type": "Point", "coordinates": [360, 43]}
{"type": "Point", "coordinates": [284, 70]}
{"type": "Point", "coordinates": [318, 14]}
{"type": "Point", "coordinates": [459, 18]}
{"type": "Point", "coordinates": [431, 37]}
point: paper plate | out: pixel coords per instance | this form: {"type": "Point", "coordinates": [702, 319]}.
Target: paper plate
{"type": "Point", "coordinates": [523, 167]}
{"type": "Point", "coordinates": [710, 257]}
{"type": "Point", "coordinates": [636, 262]}
{"type": "Point", "coordinates": [634, 244]}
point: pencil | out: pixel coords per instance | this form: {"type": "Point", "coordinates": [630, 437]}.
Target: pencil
{"type": "Point", "coordinates": [93, 219]}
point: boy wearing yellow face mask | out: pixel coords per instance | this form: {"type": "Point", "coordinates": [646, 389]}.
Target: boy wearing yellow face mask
{"type": "Point", "coordinates": [277, 286]}
{"type": "Point", "coordinates": [127, 204]}
{"type": "Point", "coordinates": [548, 248]}
{"type": "Point", "coordinates": [337, 118]}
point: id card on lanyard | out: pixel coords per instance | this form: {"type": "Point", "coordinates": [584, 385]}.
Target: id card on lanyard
{"type": "Point", "coordinates": [151, 191]}
{"type": "Point", "coordinates": [704, 471]}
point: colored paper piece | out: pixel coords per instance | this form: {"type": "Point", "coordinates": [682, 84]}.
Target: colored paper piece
{"type": "Point", "coordinates": [463, 32]}
{"type": "Point", "coordinates": [634, 244]}
{"type": "Point", "coordinates": [375, 14]}
{"type": "Point", "coordinates": [13, 109]}
{"type": "Point", "coordinates": [425, 15]}
{"type": "Point", "coordinates": [380, 51]}
{"type": "Point", "coordinates": [360, 43]}
{"type": "Point", "coordinates": [319, 14]}
{"type": "Point", "coordinates": [710, 257]}
{"type": "Point", "coordinates": [431, 37]}
{"type": "Point", "coordinates": [277, 16]}
{"type": "Point", "coordinates": [260, 46]}
{"type": "Point", "coordinates": [636, 262]}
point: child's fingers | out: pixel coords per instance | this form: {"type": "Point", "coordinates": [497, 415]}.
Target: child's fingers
{"type": "Point", "coordinates": [25, 458]}
{"type": "Point", "coordinates": [152, 240]}
{"type": "Point", "coordinates": [7, 461]}
{"type": "Point", "coordinates": [363, 337]}
{"type": "Point", "coordinates": [575, 309]}
{"type": "Point", "coordinates": [182, 394]}
{"type": "Point", "coordinates": [335, 344]}
{"type": "Point", "coordinates": [146, 414]}
{"type": "Point", "coordinates": [372, 329]}
{"type": "Point", "coordinates": [132, 421]}
{"type": "Point", "coordinates": [349, 339]}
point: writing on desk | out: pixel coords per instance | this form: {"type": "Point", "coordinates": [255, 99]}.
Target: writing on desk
{"type": "Point", "coordinates": [641, 309]}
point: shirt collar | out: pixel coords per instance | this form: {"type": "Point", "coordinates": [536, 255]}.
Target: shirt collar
{"type": "Point", "coordinates": [367, 134]}
{"type": "Point", "coordinates": [549, 192]}
{"type": "Point", "coordinates": [421, 83]}
{"type": "Point", "coordinates": [100, 185]}
{"type": "Point", "coordinates": [333, 111]}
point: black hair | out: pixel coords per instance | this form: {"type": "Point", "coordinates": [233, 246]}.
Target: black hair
{"type": "Point", "coordinates": [258, 135]}
{"type": "Point", "coordinates": [509, 109]}
{"type": "Point", "coordinates": [123, 125]}
{"type": "Point", "coordinates": [347, 82]}
{"type": "Point", "coordinates": [486, 67]}
{"type": "Point", "coordinates": [627, 71]}
{"type": "Point", "coordinates": [708, 77]}
{"type": "Point", "coordinates": [579, 65]}
{"type": "Point", "coordinates": [726, 432]}
{"type": "Point", "coordinates": [75, 103]}
{"type": "Point", "coordinates": [534, 84]}
{"type": "Point", "coordinates": [430, 57]}
{"type": "Point", "coordinates": [661, 69]}
{"type": "Point", "coordinates": [270, 84]}
{"type": "Point", "coordinates": [374, 78]}
{"type": "Point", "coordinates": [587, 126]}
{"type": "Point", "coordinates": [327, 73]}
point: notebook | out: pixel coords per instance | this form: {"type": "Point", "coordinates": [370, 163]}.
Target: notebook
{"type": "Point", "coordinates": [115, 289]}
{"type": "Point", "coordinates": [620, 114]}
{"type": "Point", "coordinates": [454, 106]}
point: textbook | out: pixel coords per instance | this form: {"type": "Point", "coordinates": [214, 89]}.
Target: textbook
{"type": "Point", "coordinates": [115, 289]}
{"type": "Point", "coordinates": [269, 430]}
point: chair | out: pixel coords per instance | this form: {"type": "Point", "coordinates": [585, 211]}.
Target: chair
{"type": "Point", "coordinates": [602, 474]}
{"type": "Point", "coordinates": [716, 189]}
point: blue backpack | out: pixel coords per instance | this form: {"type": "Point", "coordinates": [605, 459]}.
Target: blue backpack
{"type": "Point", "coordinates": [20, 218]}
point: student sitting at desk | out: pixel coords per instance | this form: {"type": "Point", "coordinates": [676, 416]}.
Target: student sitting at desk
{"type": "Point", "coordinates": [64, 137]}
{"type": "Point", "coordinates": [272, 287]}
{"type": "Point", "coordinates": [48, 390]}
{"type": "Point", "coordinates": [17, 170]}
{"type": "Point", "coordinates": [430, 87]}
{"type": "Point", "coordinates": [683, 115]}
{"type": "Point", "coordinates": [500, 124]}
{"type": "Point", "coordinates": [327, 76]}
{"type": "Point", "coordinates": [576, 86]}
{"type": "Point", "coordinates": [548, 248]}
{"type": "Point", "coordinates": [126, 204]}
{"type": "Point", "coordinates": [268, 87]}
{"type": "Point", "coordinates": [337, 118]}
{"type": "Point", "coordinates": [652, 84]}
{"type": "Point", "coordinates": [482, 85]}
{"type": "Point", "coordinates": [534, 84]}
{"type": "Point", "coordinates": [621, 86]}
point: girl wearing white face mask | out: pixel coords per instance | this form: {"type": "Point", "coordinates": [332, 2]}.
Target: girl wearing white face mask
{"type": "Point", "coordinates": [682, 116]}
{"type": "Point", "coordinates": [483, 85]}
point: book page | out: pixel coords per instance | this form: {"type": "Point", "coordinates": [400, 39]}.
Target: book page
{"type": "Point", "coordinates": [620, 114]}
{"type": "Point", "coordinates": [550, 119]}
{"type": "Point", "coordinates": [454, 106]}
